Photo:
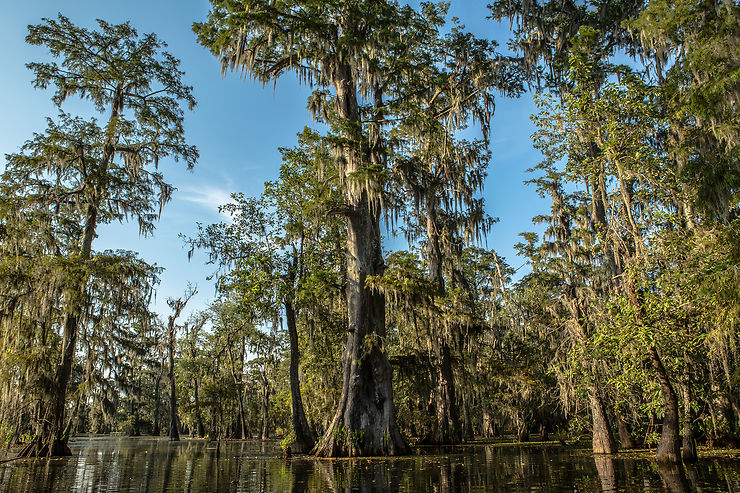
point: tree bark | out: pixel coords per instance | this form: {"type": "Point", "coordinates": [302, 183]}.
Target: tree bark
{"type": "Point", "coordinates": [174, 434]}
{"type": "Point", "coordinates": [242, 417]}
{"type": "Point", "coordinates": [688, 444]}
{"type": "Point", "coordinates": [51, 440]}
{"type": "Point", "coordinates": [304, 437]}
{"type": "Point", "coordinates": [365, 421]}
{"type": "Point", "coordinates": [448, 429]}
{"type": "Point", "coordinates": [603, 438]}
{"type": "Point", "coordinates": [238, 382]}
{"type": "Point", "coordinates": [265, 407]}
{"type": "Point", "coordinates": [199, 428]}
{"type": "Point", "coordinates": [155, 428]}
{"type": "Point", "coordinates": [626, 440]}
{"type": "Point", "coordinates": [669, 446]}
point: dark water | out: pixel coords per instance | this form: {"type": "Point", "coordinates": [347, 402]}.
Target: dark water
{"type": "Point", "coordinates": [155, 465]}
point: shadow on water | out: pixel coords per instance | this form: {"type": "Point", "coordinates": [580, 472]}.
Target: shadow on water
{"type": "Point", "coordinates": [144, 465]}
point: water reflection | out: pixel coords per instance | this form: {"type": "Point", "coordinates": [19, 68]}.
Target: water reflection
{"type": "Point", "coordinates": [674, 478]}
{"type": "Point", "coordinates": [606, 468]}
{"type": "Point", "coordinates": [149, 465]}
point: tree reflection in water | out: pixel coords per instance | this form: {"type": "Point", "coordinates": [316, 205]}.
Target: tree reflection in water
{"type": "Point", "coordinates": [145, 465]}
{"type": "Point", "coordinates": [605, 467]}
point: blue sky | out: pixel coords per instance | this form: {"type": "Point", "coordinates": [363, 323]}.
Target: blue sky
{"type": "Point", "coordinates": [237, 126]}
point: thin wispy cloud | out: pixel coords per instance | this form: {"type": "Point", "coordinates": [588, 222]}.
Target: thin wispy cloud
{"type": "Point", "coordinates": [208, 197]}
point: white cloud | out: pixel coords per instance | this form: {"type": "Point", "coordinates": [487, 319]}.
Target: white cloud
{"type": "Point", "coordinates": [207, 196]}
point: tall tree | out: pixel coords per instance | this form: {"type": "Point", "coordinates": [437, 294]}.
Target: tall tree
{"type": "Point", "coordinates": [177, 305]}
{"type": "Point", "coordinates": [344, 49]}
{"type": "Point", "coordinates": [269, 246]}
{"type": "Point", "coordinates": [451, 86]}
{"type": "Point", "coordinates": [90, 174]}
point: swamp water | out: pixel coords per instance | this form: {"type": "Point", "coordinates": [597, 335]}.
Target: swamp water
{"type": "Point", "coordinates": [147, 465]}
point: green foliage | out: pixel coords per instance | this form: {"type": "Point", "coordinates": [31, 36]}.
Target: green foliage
{"type": "Point", "coordinates": [55, 192]}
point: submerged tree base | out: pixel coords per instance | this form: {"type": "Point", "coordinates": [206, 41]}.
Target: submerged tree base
{"type": "Point", "coordinates": [37, 448]}
{"type": "Point", "coordinates": [365, 422]}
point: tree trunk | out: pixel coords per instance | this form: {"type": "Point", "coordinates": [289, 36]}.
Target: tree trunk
{"type": "Point", "coordinates": [670, 442]}
{"type": "Point", "coordinates": [199, 429]}
{"type": "Point", "coordinates": [265, 428]}
{"type": "Point", "coordinates": [688, 445]}
{"type": "Point", "coordinates": [242, 417]}
{"type": "Point", "coordinates": [51, 440]}
{"type": "Point", "coordinates": [155, 428]}
{"type": "Point", "coordinates": [304, 437]}
{"type": "Point", "coordinates": [238, 383]}
{"type": "Point", "coordinates": [135, 396]}
{"type": "Point", "coordinates": [173, 432]}
{"type": "Point", "coordinates": [448, 429]}
{"type": "Point", "coordinates": [467, 422]}
{"type": "Point", "coordinates": [626, 441]}
{"type": "Point", "coordinates": [603, 438]}
{"type": "Point", "coordinates": [365, 421]}
{"type": "Point", "coordinates": [489, 430]}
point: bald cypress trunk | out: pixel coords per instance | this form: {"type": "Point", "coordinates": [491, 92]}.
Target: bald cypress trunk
{"type": "Point", "coordinates": [265, 408]}
{"type": "Point", "coordinates": [50, 440]}
{"type": "Point", "coordinates": [670, 441]}
{"type": "Point", "coordinates": [603, 438]}
{"type": "Point", "coordinates": [155, 427]}
{"type": "Point", "coordinates": [448, 429]}
{"type": "Point", "coordinates": [688, 444]}
{"type": "Point", "coordinates": [626, 441]}
{"type": "Point", "coordinates": [174, 434]}
{"type": "Point", "coordinates": [199, 428]}
{"type": "Point", "coordinates": [304, 437]}
{"type": "Point", "coordinates": [365, 421]}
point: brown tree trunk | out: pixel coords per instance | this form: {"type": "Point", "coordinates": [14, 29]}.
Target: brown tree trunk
{"type": "Point", "coordinates": [199, 428]}
{"type": "Point", "coordinates": [304, 437]}
{"type": "Point", "coordinates": [467, 419]}
{"type": "Point", "coordinates": [626, 440]}
{"type": "Point", "coordinates": [603, 438]}
{"type": "Point", "coordinates": [489, 430]}
{"type": "Point", "coordinates": [50, 440]}
{"type": "Point", "coordinates": [365, 421]}
{"type": "Point", "coordinates": [242, 417]}
{"type": "Point", "coordinates": [174, 434]}
{"type": "Point", "coordinates": [670, 441]}
{"type": "Point", "coordinates": [238, 383]}
{"type": "Point", "coordinates": [265, 428]}
{"type": "Point", "coordinates": [155, 428]}
{"type": "Point", "coordinates": [448, 429]}
{"type": "Point", "coordinates": [688, 444]}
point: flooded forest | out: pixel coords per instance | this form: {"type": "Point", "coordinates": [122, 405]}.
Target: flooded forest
{"type": "Point", "coordinates": [359, 312]}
